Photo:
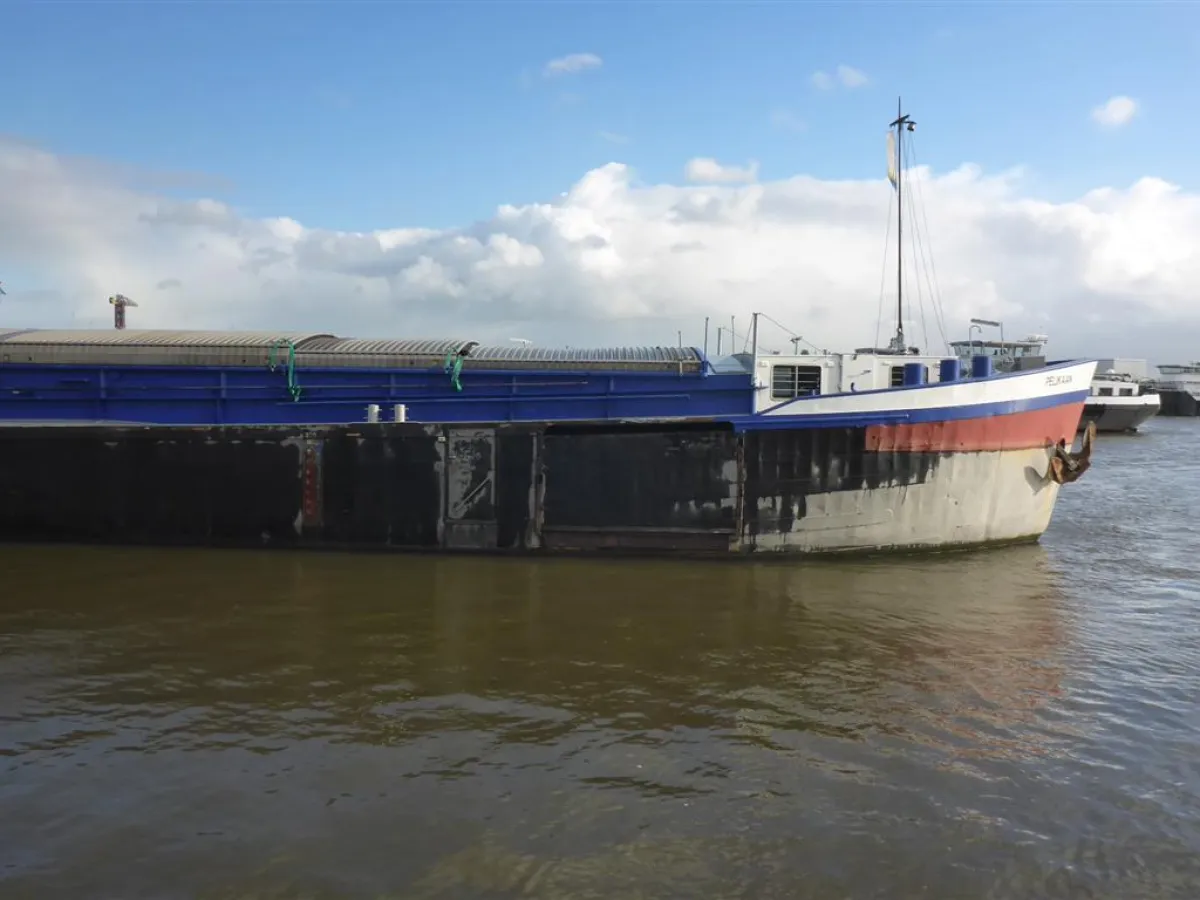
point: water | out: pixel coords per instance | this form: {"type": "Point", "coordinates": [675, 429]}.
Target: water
{"type": "Point", "coordinates": [1017, 723]}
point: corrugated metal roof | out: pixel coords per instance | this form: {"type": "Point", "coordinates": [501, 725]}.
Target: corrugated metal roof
{"type": "Point", "coordinates": [248, 348]}
{"type": "Point", "coordinates": [386, 346]}
{"type": "Point", "coordinates": [587, 355]}
{"type": "Point", "coordinates": [157, 338]}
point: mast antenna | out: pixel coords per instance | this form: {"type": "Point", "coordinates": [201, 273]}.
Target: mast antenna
{"type": "Point", "coordinates": [901, 124]}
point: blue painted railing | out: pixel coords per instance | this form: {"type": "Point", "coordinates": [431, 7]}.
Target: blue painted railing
{"type": "Point", "coordinates": [211, 395]}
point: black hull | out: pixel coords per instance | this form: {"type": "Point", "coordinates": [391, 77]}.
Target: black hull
{"type": "Point", "coordinates": [1116, 419]}
{"type": "Point", "coordinates": [682, 488]}
{"type": "Point", "coordinates": [1178, 403]}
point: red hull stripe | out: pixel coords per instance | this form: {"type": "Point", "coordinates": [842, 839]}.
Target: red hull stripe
{"type": "Point", "coordinates": [1016, 431]}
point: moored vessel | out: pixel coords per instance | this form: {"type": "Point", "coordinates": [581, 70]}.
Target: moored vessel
{"type": "Point", "coordinates": [1119, 402]}
{"type": "Point", "coordinates": [1178, 387]}
{"type": "Point", "coordinates": [317, 440]}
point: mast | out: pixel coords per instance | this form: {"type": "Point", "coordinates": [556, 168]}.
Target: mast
{"type": "Point", "coordinates": [895, 169]}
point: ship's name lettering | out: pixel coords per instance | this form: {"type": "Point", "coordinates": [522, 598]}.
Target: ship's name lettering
{"type": "Point", "coordinates": [1052, 380]}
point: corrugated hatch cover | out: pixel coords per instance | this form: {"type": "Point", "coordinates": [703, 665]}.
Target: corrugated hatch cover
{"type": "Point", "coordinates": [156, 338]}
{"type": "Point", "coordinates": [168, 347]}
{"type": "Point", "coordinates": [145, 346]}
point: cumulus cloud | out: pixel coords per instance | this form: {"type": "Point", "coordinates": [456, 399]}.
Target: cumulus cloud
{"type": "Point", "coordinates": [1112, 272]}
{"type": "Point", "coordinates": [572, 63]}
{"type": "Point", "coordinates": [1117, 111]}
{"type": "Point", "coordinates": [846, 76]}
{"type": "Point", "coordinates": [707, 169]}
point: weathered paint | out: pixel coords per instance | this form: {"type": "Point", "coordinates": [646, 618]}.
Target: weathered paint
{"type": "Point", "coordinates": [518, 506]}
{"type": "Point", "coordinates": [149, 485]}
{"type": "Point", "coordinates": [659, 487]}
{"type": "Point", "coordinates": [383, 487]}
{"type": "Point", "coordinates": [470, 519]}
{"type": "Point", "coordinates": [1015, 431]}
{"type": "Point", "coordinates": [506, 487]}
{"type": "Point", "coordinates": [312, 495]}
{"type": "Point", "coordinates": [934, 500]}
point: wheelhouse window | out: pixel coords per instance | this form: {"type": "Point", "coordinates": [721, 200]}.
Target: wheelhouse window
{"type": "Point", "coordinates": [1104, 392]}
{"type": "Point", "coordinates": [897, 376]}
{"type": "Point", "coordinates": [1126, 392]}
{"type": "Point", "coordinates": [788, 382]}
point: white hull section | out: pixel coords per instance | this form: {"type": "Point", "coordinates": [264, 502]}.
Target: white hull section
{"type": "Point", "coordinates": [967, 499]}
{"type": "Point", "coordinates": [1004, 393]}
{"type": "Point", "coordinates": [1117, 414]}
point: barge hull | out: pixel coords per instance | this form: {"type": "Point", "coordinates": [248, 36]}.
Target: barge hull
{"type": "Point", "coordinates": [1116, 418]}
{"type": "Point", "coordinates": [1178, 403]}
{"type": "Point", "coordinates": [689, 487]}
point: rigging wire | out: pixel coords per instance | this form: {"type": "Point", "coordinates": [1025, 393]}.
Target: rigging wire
{"type": "Point", "coordinates": [783, 327]}
{"type": "Point", "coordinates": [725, 329]}
{"type": "Point", "coordinates": [913, 279]}
{"type": "Point", "coordinates": [926, 250]}
{"type": "Point", "coordinates": [883, 275]}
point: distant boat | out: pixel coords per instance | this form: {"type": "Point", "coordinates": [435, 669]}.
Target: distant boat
{"type": "Point", "coordinates": [1118, 403]}
{"type": "Point", "coordinates": [1178, 386]}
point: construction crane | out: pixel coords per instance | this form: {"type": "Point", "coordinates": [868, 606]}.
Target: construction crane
{"type": "Point", "coordinates": [119, 302]}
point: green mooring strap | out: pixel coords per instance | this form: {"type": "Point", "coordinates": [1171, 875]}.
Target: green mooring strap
{"type": "Point", "coordinates": [453, 366]}
{"type": "Point", "coordinates": [292, 386]}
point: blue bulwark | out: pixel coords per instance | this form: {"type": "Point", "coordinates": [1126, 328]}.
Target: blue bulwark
{"type": "Point", "coordinates": [239, 395]}
{"type": "Point", "coordinates": [301, 378]}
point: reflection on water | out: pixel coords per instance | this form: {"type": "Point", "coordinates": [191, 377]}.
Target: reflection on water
{"type": "Point", "coordinates": [1012, 723]}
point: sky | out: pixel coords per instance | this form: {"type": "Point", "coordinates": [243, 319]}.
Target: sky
{"type": "Point", "coordinates": [585, 174]}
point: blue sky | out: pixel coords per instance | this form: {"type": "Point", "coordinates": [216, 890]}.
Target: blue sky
{"type": "Point", "coordinates": [367, 115]}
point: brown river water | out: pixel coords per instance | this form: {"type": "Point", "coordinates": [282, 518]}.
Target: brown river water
{"type": "Point", "coordinates": [1001, 724]}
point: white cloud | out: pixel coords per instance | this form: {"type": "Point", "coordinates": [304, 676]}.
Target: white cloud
{"type": "Point", "coordinates": [851, 77]}
{"type": "Point", "coordinates": [572, 63]}
{"type": "Point", "coordinates": [707, 169]}
{"type": "Point", "coordinates": [846, 76]}
{"type": "Point", "coordinates": [1117, 111]}
{"type": "Point", "coordinates": [1110, 273]}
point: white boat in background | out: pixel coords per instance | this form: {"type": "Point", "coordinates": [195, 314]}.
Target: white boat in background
{"type": "Point", "coordinates": [1119, 400]}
